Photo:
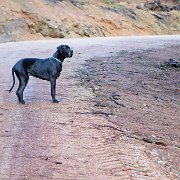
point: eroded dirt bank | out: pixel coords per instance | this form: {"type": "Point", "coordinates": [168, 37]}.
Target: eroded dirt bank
{"type": "Point", "coordinates": [43, 19]}
{"type": "Point", "coordinates": [107, 107]}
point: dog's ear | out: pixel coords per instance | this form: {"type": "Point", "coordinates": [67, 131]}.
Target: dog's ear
{"type": "Point", "coordinates": [60, 48]}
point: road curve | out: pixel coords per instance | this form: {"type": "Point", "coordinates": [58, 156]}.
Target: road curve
{"type": "Point", "coordinates": [42, 140]}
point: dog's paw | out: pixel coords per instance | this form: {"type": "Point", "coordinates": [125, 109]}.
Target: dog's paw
{"type": "Point", "coordinates": [22, 102]}
{"type": "Point", "coordinates": [55, 101]}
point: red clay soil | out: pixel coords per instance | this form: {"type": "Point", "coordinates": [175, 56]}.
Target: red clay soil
{"type": "Point", "coordinates": [117, 117]}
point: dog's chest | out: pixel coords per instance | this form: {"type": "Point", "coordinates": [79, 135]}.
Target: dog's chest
{"type": "Point", "coordinates": [56, 74]}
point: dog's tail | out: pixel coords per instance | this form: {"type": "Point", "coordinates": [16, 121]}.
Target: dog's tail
{"type": "Point", "coordinates": [13, 80]}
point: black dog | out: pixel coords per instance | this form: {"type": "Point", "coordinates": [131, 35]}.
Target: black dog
{"type": "Point", "coordinates": [46, 69]}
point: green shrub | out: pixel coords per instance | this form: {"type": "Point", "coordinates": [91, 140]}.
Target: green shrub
{"type": "Point", "coordinates": [107, 1]}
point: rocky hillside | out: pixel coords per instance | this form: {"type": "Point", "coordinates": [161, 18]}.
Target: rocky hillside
{"type": "Point", "coordinates": [39, 19]}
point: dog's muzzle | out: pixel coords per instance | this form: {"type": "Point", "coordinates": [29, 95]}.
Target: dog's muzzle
{"type": "Point", "coordinates": [70, 53]}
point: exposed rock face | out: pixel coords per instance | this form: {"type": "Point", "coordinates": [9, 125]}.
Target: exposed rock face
{"type": "Point", "coordinates": [47, 27]}
{"type": "Point", "coordinates": [157, 5]}
{"type": "Point", "coordinates": [58, 19]}
{"type": "Point", "coordinates": [13, 28]}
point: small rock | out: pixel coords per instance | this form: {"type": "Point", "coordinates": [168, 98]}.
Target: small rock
{"type": "Point", "coordinates": [139, 7]}
{"type": "Point", "coordinates": [156, 97]}
{"type": "Point", "coordinates": [135, 93]}
{"type": "Point", "coordinates": [169, 168]}
{"type": "Point", "coordinates": [99, 104]}
{"type": "Point", "coordinates": [177, 146]}
{"type": "Point", "coordinates": [172, 63]}
{"type": "Point", "coordinates": [154, 153]}
{"type": "Point", "coordinates": [57, 162]}
{"type": "Point", "coordinates": [153, 141]}
{"type": "Point", "coordinates": [162, 162]}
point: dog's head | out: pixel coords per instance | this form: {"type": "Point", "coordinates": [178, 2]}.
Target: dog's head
{"type": "Point", "coordinates": [65, 50]}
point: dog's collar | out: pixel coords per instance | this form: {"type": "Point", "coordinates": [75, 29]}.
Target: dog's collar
{"type": "Point", "coordinates": [56, 59]}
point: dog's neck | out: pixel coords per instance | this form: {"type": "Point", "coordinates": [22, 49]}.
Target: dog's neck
{"type": "Point", "coordinates": [57, 55]}
{"type": "Point", "coordinates": [56, 59]}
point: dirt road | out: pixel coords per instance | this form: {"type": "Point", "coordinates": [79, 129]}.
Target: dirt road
{"type": "Point", "coordinates": [42, 140]}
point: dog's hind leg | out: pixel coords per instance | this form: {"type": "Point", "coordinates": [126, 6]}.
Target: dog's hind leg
{"type": "Point", "coordinates": [23, 80]}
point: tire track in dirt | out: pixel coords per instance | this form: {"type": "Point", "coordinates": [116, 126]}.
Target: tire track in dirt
{"type": "Point", "coordinates": [42, 140]}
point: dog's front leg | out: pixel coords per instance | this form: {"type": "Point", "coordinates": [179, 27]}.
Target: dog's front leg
{"type": "Point", "coordinates": [53, 90]}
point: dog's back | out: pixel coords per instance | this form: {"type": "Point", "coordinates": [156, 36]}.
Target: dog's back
{"type": "Point", "coordinates": [25, 63]}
